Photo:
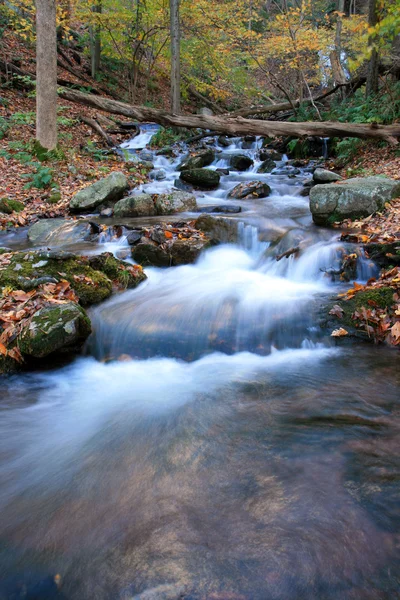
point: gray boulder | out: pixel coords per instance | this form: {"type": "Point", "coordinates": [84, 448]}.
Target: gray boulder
{"type": "Point", "coordinates": [325, 176]}
{"type": "Point", "coordinates": [55, 328]}
{"type": "Point", "coordinates": [53, 232]}
{"type": "Point", "coordinates": [201, 178]}
{"type": "Point", "coordinates": [179, 252]}
{"type": "Point", "coordinates": [218, 230]}
{"type": "Point", "coordinates": [174, 202]}
{"type": "Point", "coordinates": [250, 189]}
{"type": "Point", "coordinates": [199, 160]}
{"type": "Point", "coordinates": [353, 198]}
{"type": "Point", "coordinates": [141, 205]}
{"type": "Point", "coordinates": [105, 191]}
{"type": "Point", "coordinates": [267, 166]}
{"type": "Point", "coordinates": [241, 162]}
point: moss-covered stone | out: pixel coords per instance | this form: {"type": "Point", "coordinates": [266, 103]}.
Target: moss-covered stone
{"type": "Point", "coordinates": [54, 198]}
{"type": "Point", "coordinates": [124, 274]}
{"type": "Point", "coordinates": [7, 206]}
{"type": "Point", "coordinates": [55, 328]}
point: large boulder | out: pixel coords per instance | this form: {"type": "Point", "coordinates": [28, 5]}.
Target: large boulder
{"type": "Point", "coordinates": [241, 162]}
{"type": "Point", "coordinates": [353, 198]}
{"type": "Point", "coordinates": [325, 176]}
{"type": "Point", "coordinates": [217, 229]}
{"type": "Point", "coordinates": [199, 160]}
{"type": "Point", "coordinates": [267, 166]}
{"type": "Point", "coordinates": [54, 232]}
{"type": "Point", "coordinates": [201, 178]}
{"type": "Point", "coordinates": [55, 328]}
{"type": "Point", "coordinates": [103, 192]}
{"type": "Point", "coordinates": [175, 202]}
{"type": "Point", "coordinates": [91, 278]}
{"type": "Point", "coordinates": [141, 205]}
{"type": "Point", "coordinates": [250, 189]}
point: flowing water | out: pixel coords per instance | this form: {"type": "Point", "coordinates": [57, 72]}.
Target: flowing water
{"type": "Point", "coordinates": [231, 453]}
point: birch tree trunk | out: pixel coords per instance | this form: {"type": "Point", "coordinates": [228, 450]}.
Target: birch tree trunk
{"type": "Point", "coordinates": [46, 74]}
{"type": "Point", "coordinates": [175, 57]}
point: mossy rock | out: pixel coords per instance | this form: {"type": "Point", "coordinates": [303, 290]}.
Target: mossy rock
{"type": "Point", "coordinates": [54, 198]}
{"type": "Point", "coordinates": [126, 275]}
{"type": "Point", "coordinates": [55, 328]}
{"type": "Point", "coordinates": [7, 206]}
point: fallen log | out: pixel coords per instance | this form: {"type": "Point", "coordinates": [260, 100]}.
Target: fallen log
{"type": "Point", "coordinates": [236, 126]}
{"type": "Point", "coordinates": [288, 253]}
{"type": "Point", "coordinates": [98, 129]}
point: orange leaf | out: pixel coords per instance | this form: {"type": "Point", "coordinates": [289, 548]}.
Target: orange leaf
{"type": "Point", "coordinates": [3, 349]}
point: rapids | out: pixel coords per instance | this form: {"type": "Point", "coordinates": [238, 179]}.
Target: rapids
{"type": "Point", "coordinates": [232, 452]}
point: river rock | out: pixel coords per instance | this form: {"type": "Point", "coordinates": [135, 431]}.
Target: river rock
{"type": "Point", "coordinates": [158, 175]}
{"type": "Point", "coordinates": [55, 328]}
{"type": "Point", "coordinates": [353, 198]}
{"type": "Point", "coordinates": [199, 160]}
{"type": "Point", "coordinates": [241, 162]}
{"type": "Point", "coordinates": [182, 186]}
{"type": "Point", "coordinates": [218, 230]}
{"type": "Point", "coordinates": [175, 202]}
{"type": "Point", "coordinates": [222, 171]}
{"type": "Point", "coordinates": [221, 208]}
{"type": "Point", "coordinates": [55, 232]}
{"type": "Point", "coordinates": [325, 176]}
{"type": "Point", "coordinates": [270, 153]}
{"type": "Point", "coordinates": [107, 190]}
{"type": "Point", "coordinates": [223, 141]}
{"type": "Point", "coordinates": [91, 278]}
{"type": "Point", "coordinates": [141, 205]}
{"type": "Point", "coordinates": [250, 189]}
{"type": "Point", "coordinates": [267, 166]}
{"type": "Point", "coordinates": [146, 156]}
{"type": "Point", "coordinates": [173, 253]}
{"type": "Point", "coordinates": [201, 178]}
{"type": "Point", "coordinates": [8, 206]}
{"type": "Point", "coordinates": [286, 171]}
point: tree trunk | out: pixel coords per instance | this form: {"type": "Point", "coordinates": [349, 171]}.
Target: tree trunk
{"type": "Point", "coordinates": [236, 126]}
{"type": "Point", "coordinates": [46, 74]}
{"type": "Point", "coordinates": [175, 57]}
{"type": "Point", "coordinates": [95, 44]}
{"type": "Point", "coordinates": [372, 75]}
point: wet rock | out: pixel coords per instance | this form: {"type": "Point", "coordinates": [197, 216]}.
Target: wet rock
{"type": "Point", "coordinates": [174, 202]}
{"type": "Point", "coordinates": [218, 230]}
{"type": "Point", "coordinates": [134, 236]}
{"type": "Point", "coordinates": [146, 155]}
{"type": "Point", "coordinates": [223, 171]}
{"type": "Point", "coordinates": [148, 253]}
{"type": "Point", "coordinates": [325, 176]}
{"type": "Point", "coordinates": [55, 328]}
{"type": "Point", "coordinates": [7, 206]}
{"type": "Point", "coordinates": [267, 166]}
{"type": "Point", "coordinates": [136, 160]}
{"type": "Point", "coordinates": [270, 153]}
{"type": "Point", "coordinates": [201, 178]}
{"type": "Point", "coordinates": [353, 198]}
{"type": "Point", "coordinates": [158, 175]}
{"type": "Point", "coordinates": [223, 141]}
{"type": "Point", "coordinates": [286, 171]}
{"type": "Point", "coordinates": [221, 208]}
{"type": "Point", "coordinates": [167, 151]}
{"type": "Point", "coordinates": [59, 231]}
{"type": "Point", "coordinates": [107, 190]}
{"type": "Point", "coordinates": [181, 185]}
{"type": "Point", "coordinates": [199, 160]}
{"type": "Point", "coordinates": [241, 162]}
{"type": "Point", "coordinates": [250, 189]}
{"type": "Point", "coordinates": [141, 205]}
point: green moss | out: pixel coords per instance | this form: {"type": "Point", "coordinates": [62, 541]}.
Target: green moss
{"type": "Point", "coordinates": [118, 271]}
{"type": "Point", "coordinates": [382, 297]}
{"type": "Point", "coordinates": [54, 198]}
{"type": "Point", "coordinates": [7, 205]}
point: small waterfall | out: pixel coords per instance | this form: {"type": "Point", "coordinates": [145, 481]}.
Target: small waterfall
{"type": "Point", "coordinates": [248, 239]}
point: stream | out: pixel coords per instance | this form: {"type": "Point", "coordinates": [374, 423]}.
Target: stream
{"type": "Point", "coordinates": [233, 451]}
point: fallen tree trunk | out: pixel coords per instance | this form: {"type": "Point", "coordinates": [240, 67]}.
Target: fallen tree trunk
{"type": "Point", "coordinates": [236, 126]}
{"type": "Point", "coordinates": [98, 129]}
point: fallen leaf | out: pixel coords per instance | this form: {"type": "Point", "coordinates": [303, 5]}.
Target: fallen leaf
{"type": "Point", "coordinates": [339, 332]}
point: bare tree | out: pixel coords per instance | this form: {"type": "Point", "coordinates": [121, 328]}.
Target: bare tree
{"type": "Point", "coordinates": [175, 57]}
{"type": "Point", "coordinates": [95, 42]}
{"type": "Point", "coordinates": [46, 74]}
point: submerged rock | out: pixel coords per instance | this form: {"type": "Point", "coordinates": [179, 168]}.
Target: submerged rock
{"type": "Point", "coordinates": [353, 198]}
{"type": "Point", "coordinates": [241, 162]}
{"type": "Point", "coordinates": [99, 194]}
{"type": "Point", "coordinates": [199, 160]}
{"type": "Point", "coordinates": [59, 231]}
{"type": "Point", "coordinates": [325, 176]}
{"type": "Point", "coordinates": [250, 189]}
{"type": "Point", "coordinates": [55, 328]}
{"type": "Point", "coordinates": [201, 178]}
{"type": "Point", "coordinates": [221, 208]}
